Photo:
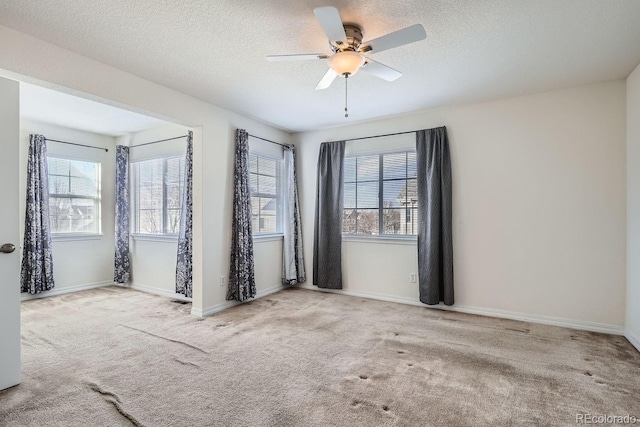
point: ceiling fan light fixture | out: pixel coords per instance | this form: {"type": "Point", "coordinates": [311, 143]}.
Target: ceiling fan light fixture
{"type": "Point", "coordinates": [346, 62]}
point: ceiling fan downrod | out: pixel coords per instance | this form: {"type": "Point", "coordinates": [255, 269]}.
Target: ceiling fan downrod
{"type": "Point", "coordinates": [346, 93]}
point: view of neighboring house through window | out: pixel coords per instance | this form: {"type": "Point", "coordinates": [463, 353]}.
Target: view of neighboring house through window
{"type": "Point", "coordinates": [265, 182]}
{"type": "Point", "coordinates": [380, 194]}
{"type": "Point", "coordinates": [158, 195]}
{"type": "Point", "coordinates": [74, 196]}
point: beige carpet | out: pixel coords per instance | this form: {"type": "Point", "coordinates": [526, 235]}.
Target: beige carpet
{"type": "Point", "coordinates": [118, 357]}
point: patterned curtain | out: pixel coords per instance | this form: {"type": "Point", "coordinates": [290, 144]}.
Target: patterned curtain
{"type": "Point", "coordinates": [435, 242]}
{"type": "Point", "coordinates": [37, 260]}
{"type": "Point", "coordinates": [292, 256]}
{"type": "Point", "coordinates": [184, 266]}
{"type": "Point", "coordinates": [122, 266]}
{"type": "Point", "coordinates": [242, 284]}
{"type": "Point", "coordinates": [327, 238]}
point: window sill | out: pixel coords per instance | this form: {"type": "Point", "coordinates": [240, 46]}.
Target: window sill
{"type": "Point", "coordinates": [391, 240]}
{"type": "Point", "coordinates": [72, 237]}
{"type": "Point", "coordinates": [168, 238]}
{"type": "Point", "coordinates": [258, 238]}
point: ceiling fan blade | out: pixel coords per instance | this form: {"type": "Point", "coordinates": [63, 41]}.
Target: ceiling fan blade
{"type": "Point", "coordinates": [407, 35]}
{"type": "Point", "coordinates": [327, 79]}
{"type": "Point", "coordinates": [381, 70]}
{"type": "Point", "coordinates": [331, 23]}
{"type": "Point", "coordinates": [302, 57]}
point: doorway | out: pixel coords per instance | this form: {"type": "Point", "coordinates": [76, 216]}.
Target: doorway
{"type": "Point", "coordinates": [83, 135]}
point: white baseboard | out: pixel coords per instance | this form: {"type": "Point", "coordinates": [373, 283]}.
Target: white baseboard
{"type": "Point", "coordinates": [66, 290]}
{"type": "Point", "coordinates": [215, 309]}
{"type": "Point", "coordinates": [633, 339]}
{"type": "Point", "coordinates": [155, 291]}
{"type": "Point", "coordinates": [228, 304]}
{"type": "Point", "coordinates": [489, 312]}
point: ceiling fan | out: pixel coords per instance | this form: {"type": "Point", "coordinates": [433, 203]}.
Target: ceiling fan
{"type": "Point", "coordinates": [348, 53]}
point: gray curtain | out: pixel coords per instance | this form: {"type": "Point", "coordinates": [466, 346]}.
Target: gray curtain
{"type": "Point", "coordinates": [242, 284]}
{"type": "Point", "coordinates": [184, 266]}
{"type": "Point", "coordinates": [122, 265]}
{"type": "Point", "coordinates": [292, 256]}
{"type": "Point", "coordinates": [327, 239]}
{"type": "Point", "coordinates": [36, 274]}
{"type": "Point", "coordinates": [435, 243]}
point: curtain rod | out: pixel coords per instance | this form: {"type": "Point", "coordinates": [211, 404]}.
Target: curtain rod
{"type": "Point", "coordinates": [268, 140]}
{"type": "Point", "coordinates": [377, 136]}
{"type": "Point", "coordinates": [155, 142]}
{"type": "Point", "coordinates": [75, 143]}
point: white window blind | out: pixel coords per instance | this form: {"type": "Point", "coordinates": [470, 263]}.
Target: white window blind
{"type": "Point", "coordinates": [74, 196]}
{"type": "Point", "coordinates": [158, 195]}
{"type": "Point", "coordinates": [265, 181]}
{"type": "Point", "coordinates": [380, 194]}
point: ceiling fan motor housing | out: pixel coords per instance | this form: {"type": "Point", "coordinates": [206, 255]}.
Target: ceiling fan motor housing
{"type": "Point", "coordinates": [354, 38]}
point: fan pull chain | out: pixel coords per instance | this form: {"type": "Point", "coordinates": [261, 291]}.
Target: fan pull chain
{"type": "Point", "coordinates": [346, 93]}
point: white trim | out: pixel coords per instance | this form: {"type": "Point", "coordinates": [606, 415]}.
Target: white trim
{"type": "Point", "coordinates": [228, 304]}
{"type": "Point", "coordinates": [489, 312]}
{"type": "Point", "coordinates": [259, 238]}
{"type": "Point", "coordinates": [66, 290]}
{"type": "Point", "coordinates": [170, 238]}
{"type": "Point", "coordinates": [384, 239]}
{"type": "Point", "coordinates": [212, 310]}
{"type": "Point", "coordinates": [278, 196]}
{"type": "Point", "coordinates": [69, 237]}
{"type": "Point", "coordinates": [155, 291]}
{"type": "Point", "coordinates": [96, 234]}
{"type": "Point", "coordinates": [633, 339]}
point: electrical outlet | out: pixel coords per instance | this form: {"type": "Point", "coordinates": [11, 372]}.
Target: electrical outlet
{"type": "Point", "coordinates": [413, 277]}
{"type": "Point", "coordinates": [223, 280]}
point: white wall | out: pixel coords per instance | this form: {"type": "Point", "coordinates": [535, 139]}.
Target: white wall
{"type": "Point", "coordinates": [21, 58]}
{"type": "Point", "coordinates": [632, 330]}
{"type": "Point", "coordinates": [267, 254]}
{"type": "Point", "coordinates": [538, 205]}
{"type": "Point", "coordinates": [77, 262]}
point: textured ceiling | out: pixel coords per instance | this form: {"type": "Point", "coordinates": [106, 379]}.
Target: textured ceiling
{"type": "Point", "coordinates": [50, 106]}
{"type": "Point", "coordinates": [215, 50]}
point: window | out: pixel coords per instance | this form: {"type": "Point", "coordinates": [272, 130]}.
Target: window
{"type": "Point", "coordinates": [380, 194]}
{"type": "Point", "coordinates": [158, 195]}
{"type": "Point", "coordinates": [74, 196]}
{"type": "Point", "coordinates": [265, 180]}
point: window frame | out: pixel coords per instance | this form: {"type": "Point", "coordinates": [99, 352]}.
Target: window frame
{"type": "Point", "coordinates": [279, 196]}
{"type": "Point", "coordinates": [78, 235]}
{"type": "Point", "coordinates": [135, 194]}
{"type": "Point", "coordinates": [380, 237]}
